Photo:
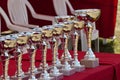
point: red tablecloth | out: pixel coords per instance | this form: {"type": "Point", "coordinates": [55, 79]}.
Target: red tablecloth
{"type": "Point", "coordinates": [109, 68]}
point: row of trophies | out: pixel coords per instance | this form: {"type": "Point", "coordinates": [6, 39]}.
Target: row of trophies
{"type": "Point", "coordinates": [65, 27]}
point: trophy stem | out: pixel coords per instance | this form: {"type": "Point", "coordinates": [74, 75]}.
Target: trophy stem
{"type": "Point", "coordinates": [54, 72]}
{"type": "Point", "coordinates": [5, 69]}
{"type": "Point", "coordinates": [66, 68]}
{"type": "Point", "coordinates": [66, 52]}
{"type": "Point", "coordinates": [90, 61]}
{"type": "Point", "coordinates": [75, 63]}
{"type": "Point", "coordinates": [89, 53]}
{"type": "Point", "coordinates": [54, 46]}
{"type": "Point", "coordinates": [33, 69]}
{"type": "Point", "coordinates": [20, 73]}
{"type": "Point", "coordinates": [44, 74]}
{"type": "Point", "coordinates": [58, 63]}
{"type": "Point", "coordinates": [55, 51]}
{"type": "Point", "coordinates": [75, 39]}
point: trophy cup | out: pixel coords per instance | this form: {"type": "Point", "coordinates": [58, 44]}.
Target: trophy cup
{"type": "Point", "coordinates": [78, 25]}
{"type": "Point", "coordinates": [7, 45]}
{"type": "Point", "coordinates": [33, 42]}
{"type": "Point", "coordinates": [66, 67]}
{"type": "Point", "coordinates": [89, 16]}
{"type": "Point", "coordinates": [46, 35]}
{"type": "Point", "coordinates": [54, 72]}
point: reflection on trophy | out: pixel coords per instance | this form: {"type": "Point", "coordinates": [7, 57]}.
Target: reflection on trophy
{"type": "Point", "coordinates": [7, 44]}
{"type": "Point", "coordinates": [78, 25]}
{"type": "Point", "coordinates": [89, 16]}
{"type": "Point", "coordinates": [46, 35]}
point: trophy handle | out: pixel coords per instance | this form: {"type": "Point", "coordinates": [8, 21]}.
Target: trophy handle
{"type": "Point", "coordinates": [20, 73]}
{"type": "Point", "coordinates": [33, 60]}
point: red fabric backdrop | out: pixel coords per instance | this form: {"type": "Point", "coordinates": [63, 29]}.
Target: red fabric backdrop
{"type": "Point", "coordinates": [106, 21]}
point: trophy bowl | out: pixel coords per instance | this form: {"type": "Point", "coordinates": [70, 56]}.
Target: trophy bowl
{"type": "Point", "coordinates": [68, 26]}
{"type": "Point", "coordinates": [22, 40]}
{"type": "Point", "coordinates": [47, 32]}
{"type": "Point", "coordinates": [59, 19]}
{"type": "Point", "coordinates": [88, 14]}
{"type": "Point", "coordinates": [58, 29]}
{"type": "Point", "coordinates": [78, 25]}
{"type": "Point", "coordinates": [36, 37]}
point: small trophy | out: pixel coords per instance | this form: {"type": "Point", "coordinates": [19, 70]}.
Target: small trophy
{"type": "Point", "coordinates": [78, 25]}
{"type": "Point", "coordinates": [46, 35]}
{"type": "Point", "coordinates": [66, 60]}
{"type": "Point", "coordinates": [21, 42]}
{"type": "Point", "coordinates": [65, 19]}
{"type": "Point", "coordinates": [33, 41]}
{"type": "Point", "coordinates": [57, 32]}
{"type": "Point", "coordinates": [89, 16]}
{"type": "Point", "coordinates": [7, 45]}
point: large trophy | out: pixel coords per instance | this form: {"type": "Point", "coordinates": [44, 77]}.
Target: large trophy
{"type": "Point", "coordinates": [89, 16]}
{"type": "Point", "coordinates": [78, 25]}
{"type": "Point", "coordinates": [46, 36]}
{"type": "Point", "coordinates": [7, 44]}
{"type": "Point", "coordinates": [54, 72]}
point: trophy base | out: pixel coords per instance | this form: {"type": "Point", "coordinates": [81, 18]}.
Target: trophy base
{"type": "Point", "coordinates": [69, 61]}
{"type": "Point", "coordinates": [59, 66]}
{"type": "Point", "coordinates": [90, 63]}
{"type": "Point", "coordinates": [57, 76]}
{"type": "Point", "coordinates": [79, 68]}
{"type": "Point", "coordinates": [51, 78]}
{"type": "Point", "coordinates": [19, 78]}
{"type": "Point", "coordinates": [68, 72]}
